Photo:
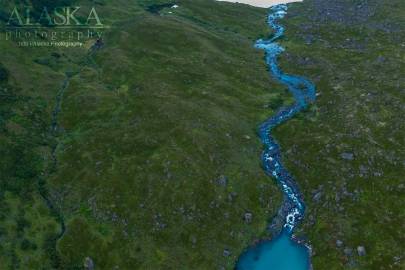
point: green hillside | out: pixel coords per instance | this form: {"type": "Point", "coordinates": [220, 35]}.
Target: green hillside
{"type": "Point", "coordinates": [347, 151]}
{"type": "Point", "coordinates": [144, 154]}
{"type": "Point", "coordinates": [154, 161]}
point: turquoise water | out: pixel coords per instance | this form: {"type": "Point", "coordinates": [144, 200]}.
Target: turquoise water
{"type": "Point", "coordinates": [282, 253]}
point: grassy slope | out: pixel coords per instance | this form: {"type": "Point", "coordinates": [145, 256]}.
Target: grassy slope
{"type": "Point", "coordinates": [170, 114]}
{"type": "Point", "coordinates": [357, 61]}
{"type": "Point", "coordinates": [27, 227]}
{"type": "Point", "coordinates": [178, 98]}
{"type": "Point", "coordinates": [169, 106]}
{"type": "Point", "coordinates": [27, 98]}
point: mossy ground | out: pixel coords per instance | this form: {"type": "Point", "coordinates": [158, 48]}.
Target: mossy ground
{"type": "Point", "coordinates": [147, 128]}
{"type": "Point", "coordinates": [352, 51]}
{"type": "Point", "coordinates": [168, 107]}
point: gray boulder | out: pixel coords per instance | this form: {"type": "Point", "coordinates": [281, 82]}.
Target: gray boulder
{"type": "Point", "coordinates": [88, 263]}
{"type": "Point", "coordinates": [227, 253]}
{"type": "Point", "coordinates": [347, 156]}
{"type": "Point", "coordinates": [222, 181]}
{"type": "Point", "coordinates": [248, 217]}
{"type": "Point", "coordinates": [361, 251]}
{"type": "Point", "coordinates": [317, 196]}
{"type": "Point", "coordinates": [348, 251]}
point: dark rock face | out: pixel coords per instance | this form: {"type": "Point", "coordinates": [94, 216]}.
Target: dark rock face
{"type": "Point", "coordinates": [277, 221]}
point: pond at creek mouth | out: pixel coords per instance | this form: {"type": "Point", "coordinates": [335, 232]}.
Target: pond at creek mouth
{"type": "Point", "coordinates": [282, 252]}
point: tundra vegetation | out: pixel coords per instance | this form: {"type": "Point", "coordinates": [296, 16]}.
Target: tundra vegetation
{"type": "Point", "coordinates": [154, 162]}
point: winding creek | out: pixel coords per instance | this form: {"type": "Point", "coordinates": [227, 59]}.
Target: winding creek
{"type": "Point", "coordinates": [282, 252]}
{"type": "Point", "coordinates": [54, 133]}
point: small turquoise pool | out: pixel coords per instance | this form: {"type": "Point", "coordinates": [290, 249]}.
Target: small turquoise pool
{"type": "Point", "coordinates": [280, 254]}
